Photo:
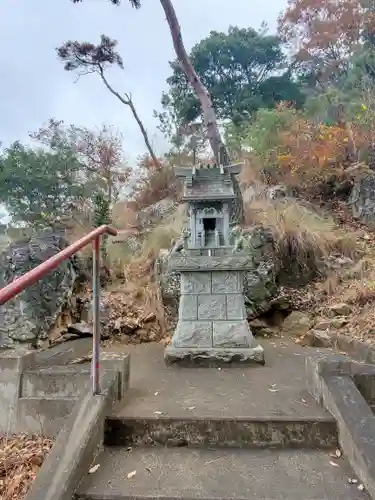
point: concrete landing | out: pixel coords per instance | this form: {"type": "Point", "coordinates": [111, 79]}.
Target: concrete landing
{"type": "Point", "coordinates": [211, 474]}
{"type": "Point", "coordinates": [277, 390]}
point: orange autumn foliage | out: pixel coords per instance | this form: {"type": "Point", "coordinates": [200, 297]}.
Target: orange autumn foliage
{"type": "Point", "coordinates": [309, 154]}
{"type": "Point", "coordinates": [324, 32]}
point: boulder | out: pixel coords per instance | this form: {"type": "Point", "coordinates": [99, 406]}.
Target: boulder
{"type": "Point", "coordinates": [29, 317]}
{"type": "Point", "coordinates": [156, 212]}
{"type": "Point", "coordinates": [260, 283]}
{"type": "Point", "coordinates": [169, 281]}
{"type": "Point", "coordinates": [362, 198]}
{"type": "Point", "coordinates": [297, 324]}
{"type": "Point", "coordinates": [341, 309]}
{"type": "Point", "coordinates": [331, 323]}
{"type": "Point", "coordinates": [317, 338]}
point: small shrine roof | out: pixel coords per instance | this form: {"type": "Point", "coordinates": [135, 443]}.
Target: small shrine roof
{"type": "Point", "coordinates": [209, 188]}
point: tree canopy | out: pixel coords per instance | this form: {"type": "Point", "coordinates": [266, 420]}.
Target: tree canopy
{"type": "Point", "coordinates": [243, 70]}
{"type": "Point", "coordinates": [40, 187]}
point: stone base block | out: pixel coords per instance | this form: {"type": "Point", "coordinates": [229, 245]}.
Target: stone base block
{"type": "Point", "coordinates": [213, 357]}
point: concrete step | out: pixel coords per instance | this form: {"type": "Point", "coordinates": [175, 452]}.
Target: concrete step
{"type": "Point", "coordinates": [44, 415]}
{"type": "Point", "coordinates": [248, 432]}
{"type": "Point", "coordinates": [55, 381]}
{"type": "Point", "coordinates": [218, 474]}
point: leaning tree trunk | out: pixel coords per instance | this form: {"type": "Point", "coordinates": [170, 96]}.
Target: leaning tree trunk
{"type": "Point", "coordinates": [209, 116]}
{"type": "Point", "coordinates": [127, 101]}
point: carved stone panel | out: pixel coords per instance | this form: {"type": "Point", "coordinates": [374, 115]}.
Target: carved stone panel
{"type": "Point", "coordinates": [226, 282]}
{"type": "Point", "coordinates": [193, 334]}
{"type": "Point", "coordinates": [195, 283]}
{"type": "Point", "coordinates": [236, 307]}
{"type": "Point", "coordinates": [222, 263]}
{"type": "Point", "coordinates": [231, 334]}
{"type": "Point", "coordinates": [211, 307]}
{"type": "Point", "coordinates": [188, 309]}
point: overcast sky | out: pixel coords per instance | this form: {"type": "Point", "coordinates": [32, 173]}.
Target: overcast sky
{"type": "Point", "coordinates": [34, 86]}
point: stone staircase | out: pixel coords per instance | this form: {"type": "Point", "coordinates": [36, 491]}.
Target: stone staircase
{"type": "Point", "coordinates": [212, 458]}
{"type": "Point", "coordinates": [207, 434]}
{"type": "Point", "coordinates": [185, 473]}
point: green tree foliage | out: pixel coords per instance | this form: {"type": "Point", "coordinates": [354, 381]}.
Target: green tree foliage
{"type": "Point", "coordinates": [100, 152]}
{"type": "Point", "coordinates": [39, 187]}
{"type": "Point", "coordinates": [243, 70]}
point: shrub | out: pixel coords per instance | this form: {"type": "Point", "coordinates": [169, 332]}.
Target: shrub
{"type": "Point", "coordinates": [303, 237]}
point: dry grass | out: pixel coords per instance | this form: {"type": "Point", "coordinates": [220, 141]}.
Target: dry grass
{"type": "Point", "coordinates": [137, 313]}
{"type": "Point", "coordinates": [301, 234]}
{"type": "Point", "coordinates": [21, 457]}
{"type": "Point", "coordinates": [124, 215]}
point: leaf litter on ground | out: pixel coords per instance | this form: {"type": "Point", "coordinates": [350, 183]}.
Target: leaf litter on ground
{"type": "Point", "coordinates": [21, 457]}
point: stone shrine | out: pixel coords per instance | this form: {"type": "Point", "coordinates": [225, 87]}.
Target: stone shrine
{"type": "Point", "coordinates": [211, 257]}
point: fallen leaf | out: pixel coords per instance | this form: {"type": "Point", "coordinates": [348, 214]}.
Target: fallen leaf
{"type": "Point", "coordinates": [158, 412]}
{"type": "Point", "coordinates": [338, 453]}
{"type": "Point", "coordinates": [156, 393]}
{"type": "Point", "coordinates": [94, 469]}
{"type": "Point", "coordinates": [352, 480]}
{"type": "Point", "coordinates": [334, 464]}
{"type": "Point", "coordinates": [132, 474]}
{"type": "Point", "coordinates": [191, 408]}
{"type": "Point", "coordinates": [361, 487]}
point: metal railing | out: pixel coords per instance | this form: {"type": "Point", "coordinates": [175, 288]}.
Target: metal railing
{"type": "Point", "coordinates": [29, 278]}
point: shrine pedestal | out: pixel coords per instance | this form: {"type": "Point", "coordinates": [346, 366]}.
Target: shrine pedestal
{"type": "Point", "coordinates": [212, 327]}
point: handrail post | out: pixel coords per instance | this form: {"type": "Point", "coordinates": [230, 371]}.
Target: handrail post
{"type": "Point", "coordinates": [96, 316]}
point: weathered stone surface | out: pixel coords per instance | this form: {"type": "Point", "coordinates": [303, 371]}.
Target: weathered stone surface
{"type": "Point", "coordinates": [258, 284]}
{"type": "Point", "coordinates": [226, 282]}
{"type": "Point", "coordinates": [328, 323]}
{"type": "Point", "coordinates": [236, 307]}
{"type": "Point", "coordinates": [260, 328]}
{"type": "Point", "coordinates": [206, 263]}
{"type": "Point", "coordinates": [199, 283]}
{"type": "Point", "coordinates": [231, 335]}
{"type": "Point", "coordinates": [362, 198]}
{"type": "Point", "coordinates": [211, 307]}
{"type": "Point", "coordinates": [341, 309]}
{"type": "Point", "coordinates": [188, 310]}
{"type": "Point", "coordinates": [158, 211]}
{"type": "Point", "coordinates": [296, 324]}
{"type": "Point", "coordinates": [192, 334]}
{"type": "Point", "coordinates": [32, 314]}
{"type": "Point", "coordinates": [319, 338]}
{"type": "Point", "coordinates": [191, 357]}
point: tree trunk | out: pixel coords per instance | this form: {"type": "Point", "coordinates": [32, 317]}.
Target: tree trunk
{"type": "Point", "coordinates": [209, 116]}
{"type": "Point", "coordinates": [128, 102]}
{"type": "Point", "coordinates": [143, 132]}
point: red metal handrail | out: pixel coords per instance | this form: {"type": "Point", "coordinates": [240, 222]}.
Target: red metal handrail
{"type": "Point", "coordinates": [19, 284]}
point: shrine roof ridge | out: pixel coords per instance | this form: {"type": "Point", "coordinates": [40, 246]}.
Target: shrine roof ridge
{"type": "Point", "coordinates": [192, 170]}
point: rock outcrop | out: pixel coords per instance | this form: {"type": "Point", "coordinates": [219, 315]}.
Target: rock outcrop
{"type": "Point", "coordinates": [30, 317]}
{"type": "Point", "coordinates": [362, 197]}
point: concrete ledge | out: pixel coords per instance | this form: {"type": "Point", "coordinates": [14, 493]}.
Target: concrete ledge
{"type": "Point", "coordinates": [38, 399]}
{"type": "Point", "coordinates": [55, 381]}
{"type": "Point", "coordinates": [45, 416]}
{"type": "Point", "coordinates": [12, 365]}
{"type": "Point", "coordinates": [120, 363]}
{"type": "Point", "coordinates": [63, 353]}
{"type": "Point", "coordinates": [76, 446]}
{"type": "Point", "coordinates": [334, 387]}
{"type": "Point", "coordinates": [359, 350]}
